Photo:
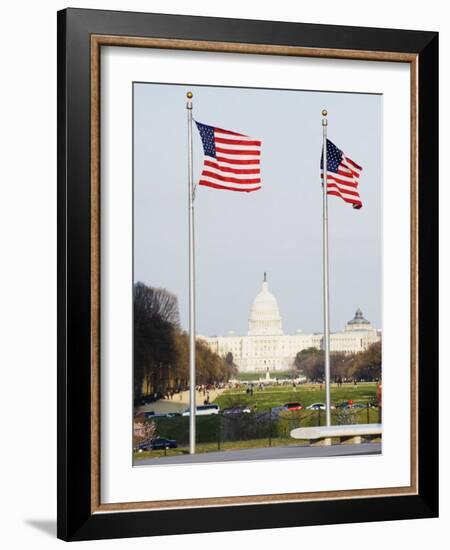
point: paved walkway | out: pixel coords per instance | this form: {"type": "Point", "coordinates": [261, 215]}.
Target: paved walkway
{"type": "Point", "coordinates": [179, 403]}
{"type": "Point", "coordinates": [266, 453]}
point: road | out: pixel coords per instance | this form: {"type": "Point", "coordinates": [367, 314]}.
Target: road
{"type": "Point", "coordinates": [179, 403]}
{"type": "Point", "coordinates": [266, 453]}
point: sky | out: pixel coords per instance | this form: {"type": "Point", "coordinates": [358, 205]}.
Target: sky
{"type": "Point", "coordinates": [278, 229]}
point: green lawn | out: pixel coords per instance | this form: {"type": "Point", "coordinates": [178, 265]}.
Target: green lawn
{"type": "Point", "coordinates": [306, 394]}
{"type": "Point", "coordinates": [222, 446]}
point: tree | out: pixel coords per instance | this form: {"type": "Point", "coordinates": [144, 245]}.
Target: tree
{"type": "Point", "coordinates": [161, 348]}
{"type": "Point", "coordinates": [231, 365]}
{"type": "Point", "coordinates": [156, 321]}
{"type": "Point", "coordinates": [341, 364]}
{"type": "Point", "coordinates": [310, 362]}
{"type": "Point", "coordinates": [367, 364]}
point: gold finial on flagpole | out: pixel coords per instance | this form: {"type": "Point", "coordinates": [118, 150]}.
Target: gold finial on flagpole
{"type": "Point", "coordinates": [324, 112]}
{"type": "Point", "coordinates": [189, 96]}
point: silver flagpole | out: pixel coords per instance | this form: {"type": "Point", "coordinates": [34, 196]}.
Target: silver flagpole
{"type": "Point", "coordinates": [192, 378]}
{"type": "Point", "coordinates": [326, 309]}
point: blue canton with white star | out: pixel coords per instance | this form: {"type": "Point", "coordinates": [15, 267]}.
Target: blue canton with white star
{"type": "Point", "coordinates": [207, 135]}
{"type": "Point", "coordinates": [334, 157]}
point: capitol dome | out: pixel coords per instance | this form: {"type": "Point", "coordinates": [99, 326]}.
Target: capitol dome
{"type": "Point", "coordinates": [265, 316]}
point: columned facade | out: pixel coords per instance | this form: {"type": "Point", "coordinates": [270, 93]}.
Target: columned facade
{"type": "Point", "coordinates": [267, 348]}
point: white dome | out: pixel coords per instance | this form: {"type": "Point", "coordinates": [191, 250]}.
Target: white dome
{"type": "Point", "coordinates": [264, 316]}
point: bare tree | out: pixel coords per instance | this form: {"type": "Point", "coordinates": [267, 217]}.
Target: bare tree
{"type": "Point", "coordinates": [157, 303]}
{"type": "Point", "coordinates": [156, 321]}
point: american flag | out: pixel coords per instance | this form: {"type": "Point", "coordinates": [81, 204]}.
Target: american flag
{"type": "Point", "coordinates": [232, 160]}
{"type": "Point", "coordinates": [342, 175]}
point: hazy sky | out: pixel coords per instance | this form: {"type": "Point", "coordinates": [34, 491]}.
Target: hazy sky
{"type": "Point", "coordinates": [277, 229]}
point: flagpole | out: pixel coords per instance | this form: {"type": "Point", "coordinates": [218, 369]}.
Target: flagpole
{"type": "Point", "coordinates": [192, 377]}
{"type": "Point", "coordinates": [326, 308]}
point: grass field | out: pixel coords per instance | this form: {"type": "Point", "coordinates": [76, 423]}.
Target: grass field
{"type": "Point", "coordinates": [219, 446]}
{"type": "Point", "coordinates": [306, 394]}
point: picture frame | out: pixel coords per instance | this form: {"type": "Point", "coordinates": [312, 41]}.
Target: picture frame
{"type": "Point", "coordinates": [81, 36]}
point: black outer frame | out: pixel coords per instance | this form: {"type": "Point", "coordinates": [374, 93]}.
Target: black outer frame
{"type": "Point", "coordinates": [75, 521]}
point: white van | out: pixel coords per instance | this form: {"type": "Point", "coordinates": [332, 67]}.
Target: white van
{"type": "Point", "coordinates": [201, 410]}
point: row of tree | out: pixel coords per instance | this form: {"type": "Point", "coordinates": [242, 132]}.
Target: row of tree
{"type": "Point", "coordinates": [365, 365]}
{"type": "Point", "coordinates": [161, 347]}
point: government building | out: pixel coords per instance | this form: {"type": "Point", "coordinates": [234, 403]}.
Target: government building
{"type": "Point", "coordinates": [266, 348]}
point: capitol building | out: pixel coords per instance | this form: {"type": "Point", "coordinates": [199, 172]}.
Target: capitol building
{"type": "Point", "coordinates": [266, 348]}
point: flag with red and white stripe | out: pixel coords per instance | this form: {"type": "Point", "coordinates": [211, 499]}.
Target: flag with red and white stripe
{"type": "Point", "coordinates": [342, 175]}
{"type": "Point", "coordinates": [232, 160]}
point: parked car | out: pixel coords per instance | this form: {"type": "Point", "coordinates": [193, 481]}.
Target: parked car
{"type": "Point", "coordinates": [293, 406]}
{"type": "Point", "coordinates": [237, 410]}
{"type": "Point", "coordinates": [158, 443]}
{"type": "Point", "coordinates": [147, 399]}
{"type": "Point", "coordinates": [202, 410]}
{"type": "Point", "coordinates": [318, 407]}
{"type": "Point", "coordinates": [153, 414]}
{"type": "Point", "coordinates": [351, 405]}
{"type": "Point", "coordinates": [275, 411]}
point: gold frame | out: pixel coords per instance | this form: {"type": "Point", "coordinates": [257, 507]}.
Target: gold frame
{"type": "Point", "coordinates": [97, 41]}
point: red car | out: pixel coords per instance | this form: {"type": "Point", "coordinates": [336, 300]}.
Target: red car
{"type": "Point", "coordinates": [294, 406]}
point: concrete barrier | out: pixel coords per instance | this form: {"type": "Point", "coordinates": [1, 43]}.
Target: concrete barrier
{"type": "Point", "coordinates": [348, 434]}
